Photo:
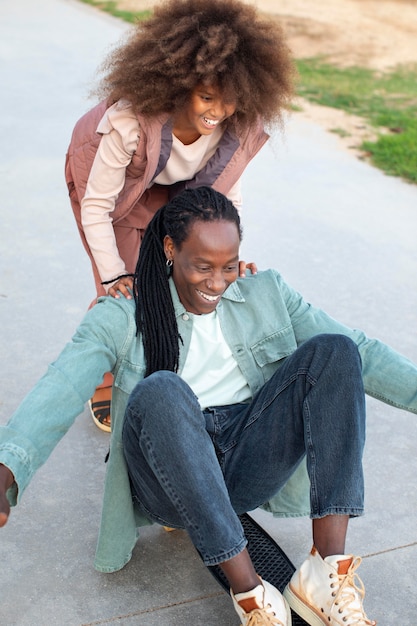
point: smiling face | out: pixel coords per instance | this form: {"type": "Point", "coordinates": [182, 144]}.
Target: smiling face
{"type": "Point", "coordinates": [205, 264]}
{"type": "Point", "coordinates": [205, 110]}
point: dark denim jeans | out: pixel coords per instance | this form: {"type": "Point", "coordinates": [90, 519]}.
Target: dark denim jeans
{"type": "Point", "coordinates": [197, 469]}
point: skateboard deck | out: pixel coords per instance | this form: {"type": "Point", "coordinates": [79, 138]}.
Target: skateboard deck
{"type": "Point", "coordinates": [270, 562]}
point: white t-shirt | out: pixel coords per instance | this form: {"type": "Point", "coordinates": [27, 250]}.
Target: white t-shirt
{"type": "Point", "coordinates": [185, 160]}
{"type": "Point", "coordinates": [210, 368]}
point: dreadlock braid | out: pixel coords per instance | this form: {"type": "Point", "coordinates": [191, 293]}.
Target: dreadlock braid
{"type": "Point", "coordinates": [155, 315]}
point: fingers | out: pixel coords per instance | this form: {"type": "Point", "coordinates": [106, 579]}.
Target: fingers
{"type": "Point", "coordinates": [124, 287]}
{"type": "Point", "coordinates": [243, 266]}
{"type": "Point", "coordinates": [4, 514]}
{"type": "Point", "coordinates": [6, 480]}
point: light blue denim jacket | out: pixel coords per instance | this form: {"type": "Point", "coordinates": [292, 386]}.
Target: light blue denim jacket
{"type": "Point", "coordinates": [263, 321]}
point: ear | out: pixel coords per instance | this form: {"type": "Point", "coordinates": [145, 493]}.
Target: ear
{"type": "Point", "coordinates": [169, 248]}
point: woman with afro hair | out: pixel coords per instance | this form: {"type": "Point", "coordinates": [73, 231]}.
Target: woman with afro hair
{"type": "Point", "coordinates": [184, 103]}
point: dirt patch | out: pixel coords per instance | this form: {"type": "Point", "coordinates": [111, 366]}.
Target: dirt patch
{"type": "Point", "coordinates": [379, 34]}
{"type": "Point", "coordinates": [370, 33]}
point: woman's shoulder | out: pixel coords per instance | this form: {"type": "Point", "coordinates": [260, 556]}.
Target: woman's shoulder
{"type": "Point", "coordinates": [119, 116]}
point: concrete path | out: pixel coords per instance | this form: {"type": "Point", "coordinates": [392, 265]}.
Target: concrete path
{"type": "Point", "coordinates": [339, 230]}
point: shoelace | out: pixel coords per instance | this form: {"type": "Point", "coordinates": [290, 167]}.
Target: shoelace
{"type": "Point", "coordinates": [349, 597]}
{"type": "Point", "coordinates": [261, 617]}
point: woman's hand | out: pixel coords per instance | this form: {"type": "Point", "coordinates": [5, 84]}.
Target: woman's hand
{"type": "Point", "coordinates": [6, 481]}
{"type": "Point", "coordinates": [243, 266]}
{"type": "Point", "coordinates": [122, 286]}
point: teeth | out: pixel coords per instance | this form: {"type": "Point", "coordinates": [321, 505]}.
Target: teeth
{"type": "Point", "coordinates": [207, 297]}
{"type": "Point", "coordinates": [211, 122]}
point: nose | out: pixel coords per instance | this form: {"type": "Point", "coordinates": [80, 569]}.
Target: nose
{"type": "Point", "coordinates": [217, 109]}
{"type": "Point", "coordinates": [220, 109]}
{"type": "Point", "coordinates": [216, 283]}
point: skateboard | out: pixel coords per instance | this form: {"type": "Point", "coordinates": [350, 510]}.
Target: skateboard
{"type": "Point", "coordinates": [270, 562]}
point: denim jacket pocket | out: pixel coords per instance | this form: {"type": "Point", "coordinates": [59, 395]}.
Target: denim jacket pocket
{"type": "Point", "coordinates": [272, 349]}
{"type": "Point", "coordinates": [128, 376]}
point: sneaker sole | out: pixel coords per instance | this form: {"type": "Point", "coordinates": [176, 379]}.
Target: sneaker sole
{"type": "Point", "coordinates": [304, 611]}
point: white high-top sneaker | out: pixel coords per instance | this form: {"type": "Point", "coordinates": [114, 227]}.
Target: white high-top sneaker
{"type": "Point", "coordinates": [262, 606]}
{"type": "Point", "coordinates": [328, 591]}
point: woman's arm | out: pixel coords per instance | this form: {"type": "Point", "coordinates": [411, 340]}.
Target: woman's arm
{"type": "Point", "coordinates": [120, 133]}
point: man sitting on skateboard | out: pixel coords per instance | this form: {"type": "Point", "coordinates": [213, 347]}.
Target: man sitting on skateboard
{"type": "Point", "coordinates": [223, 387]}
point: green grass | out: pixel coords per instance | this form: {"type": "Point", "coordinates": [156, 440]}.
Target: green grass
{"type": "Point", "coordinates": [386, 101]}
{"type": "Point", "coordinates": [110, 6]}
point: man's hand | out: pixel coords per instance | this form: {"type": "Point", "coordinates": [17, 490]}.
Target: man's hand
{"type": "Point", "coordinates": [6, 480]}
{"type": "Point", "coordinates": [243, 266]}
{"type": "Point", "coordinates": [122, 286]}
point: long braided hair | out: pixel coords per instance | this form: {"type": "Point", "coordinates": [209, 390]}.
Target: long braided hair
{"type": "Point", "coordinates": [155, 316]}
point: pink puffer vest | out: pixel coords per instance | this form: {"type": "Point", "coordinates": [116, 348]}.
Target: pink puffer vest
{"type": "Point", "coordinates": [221, 172]}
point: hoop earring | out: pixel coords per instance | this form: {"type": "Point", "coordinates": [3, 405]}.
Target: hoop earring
{"type": "Point", "coordinates": [169, 263]}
